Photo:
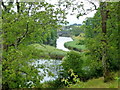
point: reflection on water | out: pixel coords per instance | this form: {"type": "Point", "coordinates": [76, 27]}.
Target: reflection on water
{"type": "Point", "coordinates": [60, 42]}
{"type": "Point", "coordinates": [51, 67]}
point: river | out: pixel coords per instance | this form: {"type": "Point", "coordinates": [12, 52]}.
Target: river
{"type": "Point", "coordinates": [53, 66]}
{"type": "Point", "coordinates": [60, 42]}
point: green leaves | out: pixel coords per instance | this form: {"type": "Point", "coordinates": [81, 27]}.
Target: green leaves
{"type": "Point", "coordinates": [72, 61]}
{"type": "Point", "coordinates": [95, 39]}
{"type": "Point", "coordinates": [19, 69]}
{"type": "Point", "coordinates": [34, 23]}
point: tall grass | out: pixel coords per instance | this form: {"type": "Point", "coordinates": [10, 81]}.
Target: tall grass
{"type": "Point", "coordinates": [96, 83]}
{"type": "Point", "coordinates": [74, 45]}
{"type": "Point", "coordinates": [46, 51]}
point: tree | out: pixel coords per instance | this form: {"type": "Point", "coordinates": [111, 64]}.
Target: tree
{"type": "Point", "coordinates": [104, 43]}
{"type": "Point", "coordinates": [106, 15]}
{"type": "Point", "coordinates": [106, 72]}
{"type": "Point", "coordinates": [72, 61]}
{"type": "Point", "coordinates": [28, 25]}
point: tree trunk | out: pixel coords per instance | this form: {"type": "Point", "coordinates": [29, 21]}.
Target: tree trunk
{"type": "Point", "coordinates": [106, 71]}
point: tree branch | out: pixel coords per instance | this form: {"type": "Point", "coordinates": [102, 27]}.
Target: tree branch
{"type": "Point", "coordinates": [3, 5]}
{"type": "Point", "coordinates": [19, 40]}
{"type": "Point", "coordinates": [18, 7]}
{"type": "Point", "coordinates": [93, 4]}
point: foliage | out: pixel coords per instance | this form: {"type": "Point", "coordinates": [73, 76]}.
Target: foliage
{"type": "Point", "coordinates": [77, 44]}
{"type": "Point", "coordinates": [53, 84]}
{"type": "Point", "coordinates": [75, 78]}
{"type": "Point", "coordinates": [93, 63]}
{"type": "Point", "coordinates": [17, 70]}
{"type": "Point", "coordinates": [38, 23]}
{"type": "Point", "coordinates": [72, 30]}
{"type": "Point", "coordinates": [46, 52]}
{"type": "Point", "coordinates": [90, 68]}
{"type": "Point", "coordinates": [33, 22]}
{"type": "Point", "coordinates": [51, 38]}
{"type": "Point", "coordinates": [94, 37]}
{"type": "Point", "coordinates": [0, 75]}
{"type": "Point", "coordinates": [73, 45]}
{"type": "Point", "coordinates": [95, 83]}
{"type": "Point", "coordinates": [82, 64]}
{"type": "Point", "coordinates": [75, 30]}
{"type": "Point", "coordinates": [72, 61]}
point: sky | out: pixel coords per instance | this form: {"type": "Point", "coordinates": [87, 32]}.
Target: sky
{"type": "Point", "coordinates": [72, 18]}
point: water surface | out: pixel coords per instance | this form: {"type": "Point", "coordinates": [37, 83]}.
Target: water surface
{"type": "Point", "coordinates": [60, 42]}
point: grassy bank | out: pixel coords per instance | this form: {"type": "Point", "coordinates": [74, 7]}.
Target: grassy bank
{"type": "Point", "coordinates": [77, 44]}
{"type": "Point", "coordinates": [96, 83]}
{"type": "Point", "coordinates": [46, 51]}
{"type": "Point", "coordinates": [73, 45]}
{"type": "Point", "coordinates": [0, 74]}
{"type": "Point", "coordinates": [92, 83]}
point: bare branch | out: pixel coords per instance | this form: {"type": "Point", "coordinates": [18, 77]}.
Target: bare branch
{"type": "Point", "coordinates": [93, 4]}
{"type": "Point", "coordinates": [3, 5]}
{"type": "Point", "coordinates": [18, 7]}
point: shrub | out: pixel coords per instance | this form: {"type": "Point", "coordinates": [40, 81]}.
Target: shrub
{"type": "Point", "coordinates": [53, 84]}
{"type": "Point", "coordinates": [72, 61]}
{"type": "Point", "coordinates": [91, 67]}
{"type": "Point", "coordinates": [82, 65]}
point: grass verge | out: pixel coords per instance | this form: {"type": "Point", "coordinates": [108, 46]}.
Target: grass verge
{"type": "Point", "coordinates": [97, 83]}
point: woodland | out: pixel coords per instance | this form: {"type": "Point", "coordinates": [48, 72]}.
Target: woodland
{"type": "Point", "coordinates": [29, 32]}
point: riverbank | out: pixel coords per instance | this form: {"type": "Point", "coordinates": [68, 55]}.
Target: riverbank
{"type": "Point", "coordinates": [73, 45]}
{"type": "Point", "coordinates": [48, 52]}
{"type": "Point", "coordinates": [77, 44]}
{"type": "Point", "coordinates": [92, 83]}
{"type": "Point", "coordinates": [97, 83]}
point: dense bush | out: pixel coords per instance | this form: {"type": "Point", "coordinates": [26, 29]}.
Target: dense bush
{"type": "Point", "coordinates": [91, 68]}
{"type": "Point", "coordinates": [82, 65]}
{"type": "Point", "coordinates": [53, 84]}
{"type": "Point", "coordinates": [72, 61]}
{"type": "Point", "coordinates": [22, 27]}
